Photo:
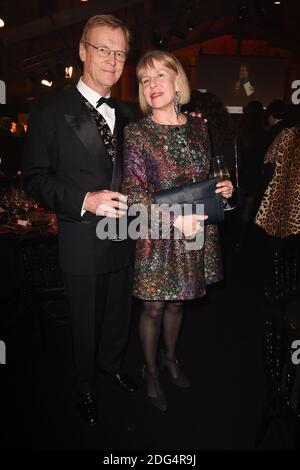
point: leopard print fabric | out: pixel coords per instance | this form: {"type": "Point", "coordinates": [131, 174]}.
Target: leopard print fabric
{"type": "Point", "coordinates": [279, 212]}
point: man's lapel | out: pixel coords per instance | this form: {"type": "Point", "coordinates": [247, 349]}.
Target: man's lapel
{"type": "Point", "coordinates": [82, 123]}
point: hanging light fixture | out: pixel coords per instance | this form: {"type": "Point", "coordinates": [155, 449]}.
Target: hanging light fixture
{"type": "Point", "coordinates": [47, 79]}
{"type": "Point", "coordinates": [69, 71]}
{"type": "Point", "coordinates": [46, 82]}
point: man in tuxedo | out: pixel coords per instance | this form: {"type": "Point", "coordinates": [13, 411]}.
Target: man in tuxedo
{"type": "Point", "coordinates": [73, 165]}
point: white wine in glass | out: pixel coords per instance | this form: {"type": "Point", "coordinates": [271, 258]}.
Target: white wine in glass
{"type": "Point", "coordinates": [221, 173]}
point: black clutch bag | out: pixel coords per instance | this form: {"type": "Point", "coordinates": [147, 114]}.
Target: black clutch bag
{"type": "Point", "coordinates": [195, 193]}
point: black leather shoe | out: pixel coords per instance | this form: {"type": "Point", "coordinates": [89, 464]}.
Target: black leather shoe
{"type": "Point", "coordinates": [88, 408]}
{"type": "Point", "coordinates": [122, 380]}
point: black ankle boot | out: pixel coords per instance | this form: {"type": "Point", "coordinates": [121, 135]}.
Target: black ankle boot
{"type": "Point", "coordinates": [159, 401]}
{"type": "Point", "coordinates": [181, 380]}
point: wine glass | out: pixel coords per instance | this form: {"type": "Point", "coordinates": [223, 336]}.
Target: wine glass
{"type": "Point", "coordinates": [221, 173]}
{"type": "Point", "coordinates": [116, 237]}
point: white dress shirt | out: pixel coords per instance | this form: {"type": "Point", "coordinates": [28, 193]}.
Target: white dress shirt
{"type": "Point", "coordinates": [106, 111]}
{"type": "Point", "coordinates": [92, 96]}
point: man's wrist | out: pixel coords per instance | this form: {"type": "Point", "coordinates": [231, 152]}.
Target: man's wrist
{"type": "Point", "coordinates": [83, 208]}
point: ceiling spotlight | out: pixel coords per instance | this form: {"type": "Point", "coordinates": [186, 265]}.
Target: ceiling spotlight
{"type": "Point", "coordinates": [46, 82]}
{"type": "Point", "coordinates": [2, 23]}
{"type": "Point", "coordinates": [276, 3]}
{"type": "Point", "coordinates": [68, 71]}
{"type": "Point", "coordinates": [47, 79]}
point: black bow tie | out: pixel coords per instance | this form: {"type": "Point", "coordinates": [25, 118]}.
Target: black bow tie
{"type": "Point", "coordinates": [109, 101]}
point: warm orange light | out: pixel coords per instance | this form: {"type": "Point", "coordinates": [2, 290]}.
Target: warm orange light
{"type": "Point", "coordinates": [69, 71]}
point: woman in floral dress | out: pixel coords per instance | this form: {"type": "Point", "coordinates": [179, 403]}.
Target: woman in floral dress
{"type": "Point", "coordinates": [162, 151]}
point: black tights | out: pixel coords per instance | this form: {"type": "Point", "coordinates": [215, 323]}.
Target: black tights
{"type": "Point", "coordinates": [156, 314]}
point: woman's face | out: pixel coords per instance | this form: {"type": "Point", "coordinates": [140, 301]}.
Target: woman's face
{"type": "Point", "coordinates": [159, 85]}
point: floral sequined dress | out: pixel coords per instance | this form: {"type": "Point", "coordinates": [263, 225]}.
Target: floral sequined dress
{"type": "Point", "coordinates": [158, 157]}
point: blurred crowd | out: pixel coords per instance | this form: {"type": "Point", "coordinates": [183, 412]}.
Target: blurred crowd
{"type": "Point", "coordinates": [261, 147]}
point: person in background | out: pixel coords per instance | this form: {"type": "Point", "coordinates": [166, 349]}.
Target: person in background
{"type": "Point", "coordinates": [276, 114]}
{"type": "Point", "coordinates": [279, 211]}
{"type": "Point", "coordinates": [73, 165]}
{"type": "Point", "coordinates": [278, 217]}
{"type": "Point", "coordinates": [165, 150]}
{"type": "Point", "coordinates": [220, 126]}
{"type": "Point", "coordinates": [222, 136]}
{"type": "Point", "coordinates": [243, 86]}
{"type": "Point", "coordinates": [19, 136]}
{"type": "Point", "coordinates": [9, 163]}
{"type": "Point", "coordinates": [252, 142]}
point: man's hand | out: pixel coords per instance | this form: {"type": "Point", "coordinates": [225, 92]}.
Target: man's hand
{"type": "Point", "coordinates": [106, 203]}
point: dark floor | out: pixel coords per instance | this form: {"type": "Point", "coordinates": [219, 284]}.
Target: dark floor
{"type": "Point", "coordinates": [221, 350]}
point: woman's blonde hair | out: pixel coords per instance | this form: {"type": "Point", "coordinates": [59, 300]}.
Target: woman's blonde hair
{"type": "Point", "coordinates": [109, 21]}
{"type": "Point", "coordinates": [169, 61]}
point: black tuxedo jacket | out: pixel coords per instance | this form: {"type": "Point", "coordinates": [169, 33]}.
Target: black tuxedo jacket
{"type": "Point", "coordinates": [64, 159]}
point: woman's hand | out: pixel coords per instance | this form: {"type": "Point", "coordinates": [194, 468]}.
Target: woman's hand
{"type": "Point", "coordinates": [225, 188]}
{"type": "Point", "coordinates": [189, 225]}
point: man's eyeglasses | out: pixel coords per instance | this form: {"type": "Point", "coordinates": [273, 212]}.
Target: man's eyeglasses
{"type": "Point", "coordinates": [105, 52]}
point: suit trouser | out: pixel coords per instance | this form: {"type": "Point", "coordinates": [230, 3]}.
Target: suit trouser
{"type": "Point", "coordinates": [100, 308]}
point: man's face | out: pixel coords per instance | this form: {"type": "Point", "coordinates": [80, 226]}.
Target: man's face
{"type": "Point", "coordinates": [101, 73]}
{"type": "Point", "coordinates": [244, 72]}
